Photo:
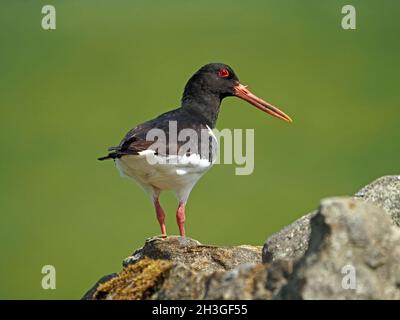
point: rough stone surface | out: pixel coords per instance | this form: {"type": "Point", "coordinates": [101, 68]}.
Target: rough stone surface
{"type": "Point", "coordinates": [354, 253]}
{"type": "Point", "coordinates": [292, 241]}
{"type": "Point", "coordinates": [90, 293]}
{"type": "Point", "coordinates": [385, 193]}
{"type": "Point", "coordinates": [182, 283]}
{"type": "Point", "coordinates": [198, 257]}
{"type": "Point", "coordinates": [138, 281]}
{"type": "Point", "coordinates": [180, 269]}
{"type": "Point", "coordinates": [260, 281]}
{"type": "Point", "coordinates": [348, 249]}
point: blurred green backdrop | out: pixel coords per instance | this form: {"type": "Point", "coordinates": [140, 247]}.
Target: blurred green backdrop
{"type": "Point", "coordinates": [67, 95]}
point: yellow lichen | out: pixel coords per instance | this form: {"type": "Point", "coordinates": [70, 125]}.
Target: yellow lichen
{"type": "Point", "coordinates": [135, 282]}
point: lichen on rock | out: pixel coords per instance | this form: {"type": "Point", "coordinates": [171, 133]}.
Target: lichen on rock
{"type": "Point", "coordinates": [306, 260]}
{"type": "Point", "coordinates": [190, 252]}
{"type": "Point", "coordinates": [135, 282]}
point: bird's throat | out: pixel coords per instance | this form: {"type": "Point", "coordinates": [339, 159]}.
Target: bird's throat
{"type": "Point", "coordinates": [207, 106]}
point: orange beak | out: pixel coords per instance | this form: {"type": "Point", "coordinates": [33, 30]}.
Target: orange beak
{"type": "Point", "coordinates": [242, 92]}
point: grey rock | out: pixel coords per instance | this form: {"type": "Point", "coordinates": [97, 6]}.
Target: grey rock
{"type": "Point", "coordinates": [246, 281]}
{"type": "Point", "coordinates": [182, 283]}
{"type": "Point", "coordinates": [385, 193]}
{"type": "Point", "coordinates": [348, 249]}
{"type": "Point", "coordinates": [354, 253]}
{"type": "Point", "coordinates": [173, 268]}
{"type": "Point", "coordinates": [249, 282]}
{"type": "Point", "coordinates": [290, 243]}
{"type": "Point", "coordinates": [198, 257]}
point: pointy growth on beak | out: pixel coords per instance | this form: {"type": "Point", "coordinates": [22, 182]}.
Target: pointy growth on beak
{"type": "Point", "coordinates": [242, 92]}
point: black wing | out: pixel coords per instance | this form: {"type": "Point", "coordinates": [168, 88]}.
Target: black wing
{"type": "Point", "coordinates": [135, 140]}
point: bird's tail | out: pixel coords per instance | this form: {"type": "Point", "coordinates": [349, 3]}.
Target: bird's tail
{"type": "Point", "coordinates": [109, 156]}
{"type": "Point", "coordinates": [112, 155]}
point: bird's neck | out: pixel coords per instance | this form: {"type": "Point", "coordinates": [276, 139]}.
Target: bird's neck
{"type": "Point", "coordinates": [206, 105]}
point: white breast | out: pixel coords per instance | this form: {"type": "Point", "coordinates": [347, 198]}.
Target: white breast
{"type": "Point", "coordinates": [179, 173]}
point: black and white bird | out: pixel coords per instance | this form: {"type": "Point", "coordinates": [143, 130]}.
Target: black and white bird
{"type": "Point", "coordinates": [175, 164]}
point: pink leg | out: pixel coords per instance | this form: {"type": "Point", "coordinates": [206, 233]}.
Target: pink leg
{"type": "Point", "coordinates": [180, 218]}
{"type": "Point", "coordinates": [160, 216]}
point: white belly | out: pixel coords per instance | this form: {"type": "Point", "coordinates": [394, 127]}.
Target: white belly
{"type": "Point", "coordinates": [153, 171]}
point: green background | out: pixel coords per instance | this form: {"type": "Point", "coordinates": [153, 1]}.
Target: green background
{"type": "Point", "coordinates": [67, 95]}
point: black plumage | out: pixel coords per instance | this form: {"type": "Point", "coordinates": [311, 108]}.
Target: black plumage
{"type": "Point", "coordinates": [199, 110]}
{"type": "Point", "coordinates": [195, 149]}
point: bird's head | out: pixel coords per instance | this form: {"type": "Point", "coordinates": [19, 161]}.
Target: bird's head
{"type": "Point", "coordinates": [215, 81]}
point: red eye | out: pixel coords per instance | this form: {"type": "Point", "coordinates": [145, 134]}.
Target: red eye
{"type": "Point", "coordinates": [223, 73]}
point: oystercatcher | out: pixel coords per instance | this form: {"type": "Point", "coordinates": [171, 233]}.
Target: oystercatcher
{"type": "Point", "coordinates": [148, 161]}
